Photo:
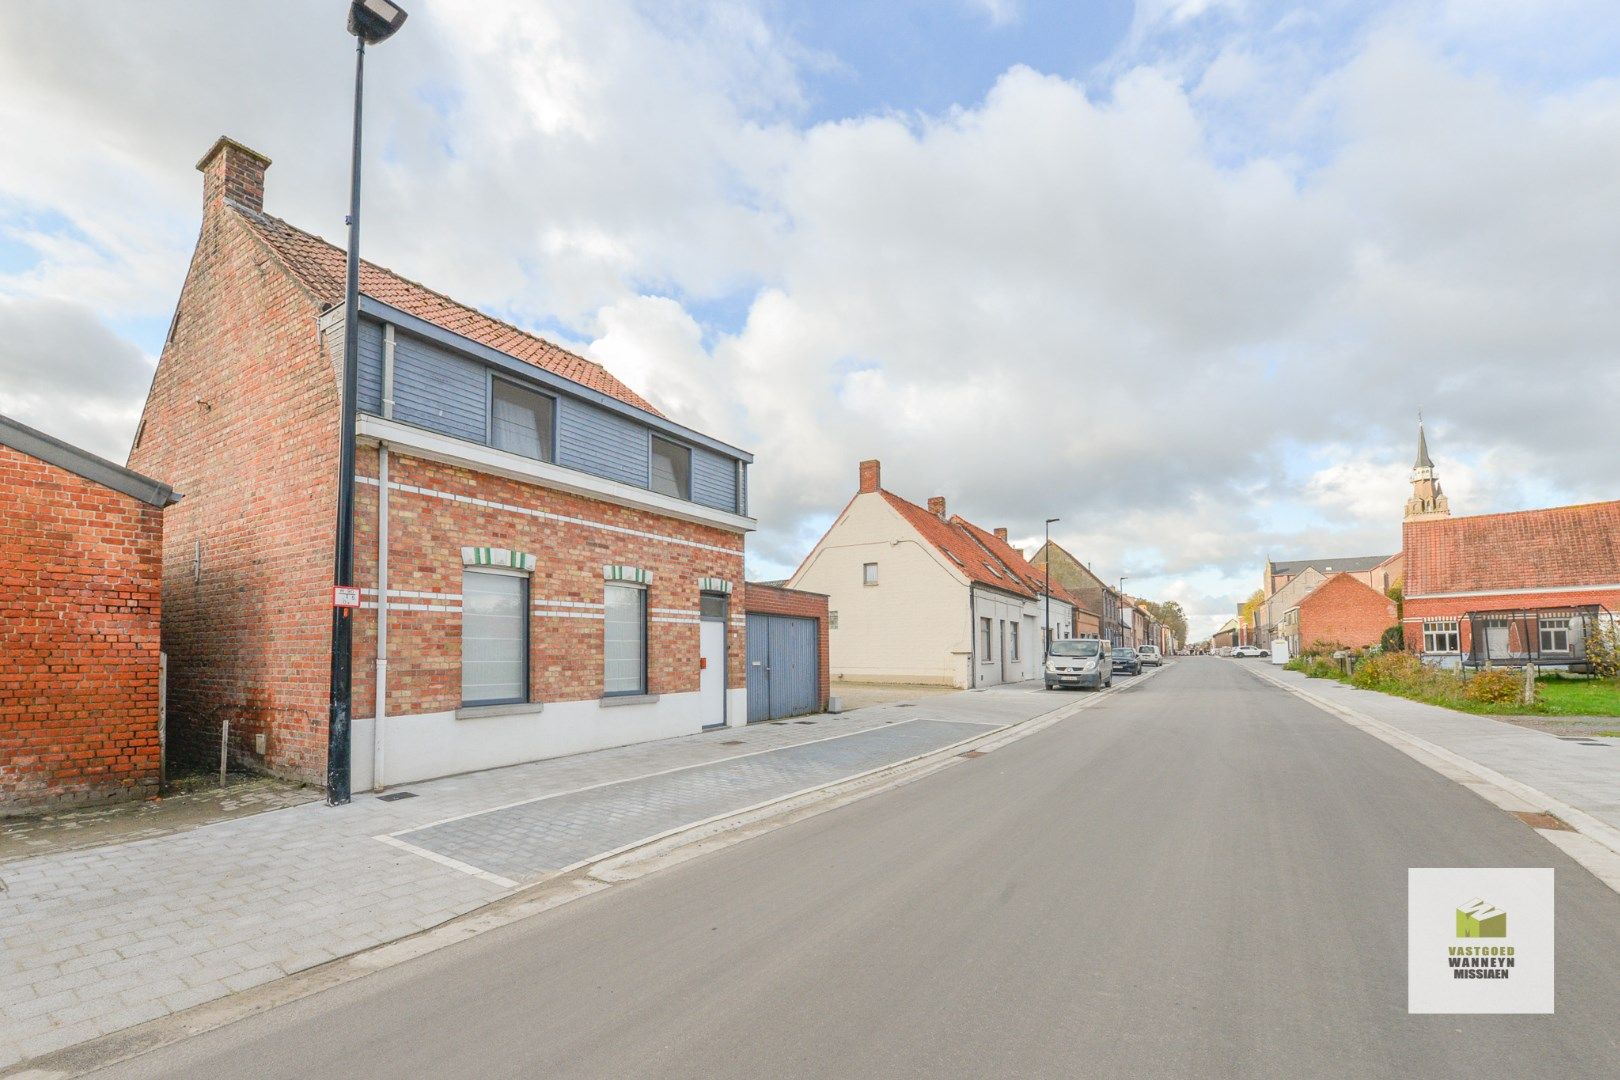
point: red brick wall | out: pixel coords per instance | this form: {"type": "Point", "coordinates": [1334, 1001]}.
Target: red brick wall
{"type": "Point", "coordinates": [1344, 610]}
{"type": "Point", "coordinates": [242, 418]}
{"type": "Point", "coordinates": [770, 600]}
{"type": "Point", "coordinates": [426, 534]}
{"type": "Point", "coordinates": [80, 603]}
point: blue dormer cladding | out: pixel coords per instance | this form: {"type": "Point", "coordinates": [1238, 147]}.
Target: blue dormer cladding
{"type": "Point", "coordinates": [443, 390]}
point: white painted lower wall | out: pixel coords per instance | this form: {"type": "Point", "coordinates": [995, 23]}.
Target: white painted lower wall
{"type": "Point", "coordinates": [430, 745]}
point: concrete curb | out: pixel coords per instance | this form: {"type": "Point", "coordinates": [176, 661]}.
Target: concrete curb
{"type": "Point", "coordinates": [588, 877]}
{"type": "Point", "coordinates": [1601, 853]}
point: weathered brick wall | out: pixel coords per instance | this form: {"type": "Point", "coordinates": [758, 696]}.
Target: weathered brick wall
{"type": "Point", "coordinates": [770, 600]}
{"type": "Point", "coordinates": [242, 417]}
{"type": "Point", "coordinates": [1346, 611]}
{"type": "Point", "coordinates": [80, 604]}
{"type": "Point", "coordinates": [426, 532]}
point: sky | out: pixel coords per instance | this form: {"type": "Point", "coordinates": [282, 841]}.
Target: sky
{"type": "Point", "coordinates": [1180, 273]}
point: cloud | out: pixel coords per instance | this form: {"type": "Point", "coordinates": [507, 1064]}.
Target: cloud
{"type": "Point", "coordinates": [1190, 303]}
{"type": "Point", "coordinates": [65, 372]}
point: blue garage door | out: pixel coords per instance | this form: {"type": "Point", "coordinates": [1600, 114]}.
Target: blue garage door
{"type": "Point", "coordinates": [782, 667]}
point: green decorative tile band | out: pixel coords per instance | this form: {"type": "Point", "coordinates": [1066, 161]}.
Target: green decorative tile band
{"type": "Point", "coordinates": [714, 584]}
{"type": "Point", "coordinates": [614, 572]}
{"type": "Point", "coordinates": [488, 556]}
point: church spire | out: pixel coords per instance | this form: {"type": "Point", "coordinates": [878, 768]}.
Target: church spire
{"type": "Point", "coordinates": [1427, 500]}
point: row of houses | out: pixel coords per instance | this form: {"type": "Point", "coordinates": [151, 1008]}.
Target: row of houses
{"type": "Point", "coordinates": [1507, 588]}
{"type": "Point", "coordinates": [919, 595]}
{"type": "Point", "coordinates": [546, 563]}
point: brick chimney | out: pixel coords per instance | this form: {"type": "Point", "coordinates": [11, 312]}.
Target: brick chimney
{"type": "Point", "coordinates": [232, 171]}
{"type": "Point", "coordinates": [1001, 534]}
{"type": "Point", "coordinates": [936, 506]}
{"type": "Point", "coordinates": [871, 476]}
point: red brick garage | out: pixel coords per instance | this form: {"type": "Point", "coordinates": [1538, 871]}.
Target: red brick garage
{"type": "Point", "coordinates": [787, 651]}
{"type": "Point", "coordinates": [81, 569]}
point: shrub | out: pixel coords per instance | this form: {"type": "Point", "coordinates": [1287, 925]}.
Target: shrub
{"type": "Point", "coordinates": [1603, 650]}
{"type": "Point", "coordinates": [1393, 640]}
{"type": "Point", "coordinates": [1319, 667]}
{"type": "Point", "coordinates": [1494, 686]}
{"type": "Point", "coordinates": [1390, 671]}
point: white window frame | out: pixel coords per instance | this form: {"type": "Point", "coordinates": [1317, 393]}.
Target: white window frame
{"type": "Point", "coordinates": [548, 451]}
{"type": "Point", "coordinates": [1556, 626]}
{"type": "Point", "coordinates": [869, 573]}
{"type": "Point", "coordinates": [629, 586]}
{"type": "Point", "coordinates": [987, 631]}
{"type": "Point", "coordinates": [1437, 632]}
{"type": "Point", "coordinates": [1012, 642]}
{"type": "Point", "coordinates": [527, 636]}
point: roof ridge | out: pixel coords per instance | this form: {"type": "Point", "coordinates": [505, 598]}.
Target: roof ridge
{"type": "Point", "coordinates": [430, 290]}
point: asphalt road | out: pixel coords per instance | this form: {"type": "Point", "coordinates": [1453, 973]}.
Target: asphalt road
{"type": "Point", "coordinates": [1201, 877]}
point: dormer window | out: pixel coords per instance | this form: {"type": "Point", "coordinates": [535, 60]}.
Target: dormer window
{"type": "Point", "coordinates": [521, 420]}
{"type": "Point", "coordinates": [671, 468]}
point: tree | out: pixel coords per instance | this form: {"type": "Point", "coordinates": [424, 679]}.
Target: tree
{"type": "Point", "coordinates": [1170, 614]}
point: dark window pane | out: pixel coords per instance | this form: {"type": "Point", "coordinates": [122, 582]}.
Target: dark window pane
{"type": "Point", "coordinates": [712, 606]}
{"type": "Point", "coordinates": [671, 469]}
{"type": "Point", "coordinates": [522, 421]}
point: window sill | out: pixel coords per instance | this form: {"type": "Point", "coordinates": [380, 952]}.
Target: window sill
{"type": "Point", "coordinates": [627, 699]}
{"type": "Point", "coordinates": [473, 712]}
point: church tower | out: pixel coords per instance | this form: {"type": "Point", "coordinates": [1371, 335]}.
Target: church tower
{"type": "Point", "coordinates": [1427, 500]}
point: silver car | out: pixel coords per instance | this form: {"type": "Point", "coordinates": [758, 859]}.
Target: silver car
{"type": "Point", "coordinates": [1079, 662]}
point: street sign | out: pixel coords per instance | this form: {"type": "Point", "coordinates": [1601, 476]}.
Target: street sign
{"type": "Point", "coordinates": [346, 596]}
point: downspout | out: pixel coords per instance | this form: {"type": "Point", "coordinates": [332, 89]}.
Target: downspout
{"type": "Point", "coordinates": [973, 640]}
{"type": "Point", "coordinates": [380, 711]}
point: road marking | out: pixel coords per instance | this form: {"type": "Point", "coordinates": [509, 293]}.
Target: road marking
{"type": "Point", "coordinates": [445, 860]}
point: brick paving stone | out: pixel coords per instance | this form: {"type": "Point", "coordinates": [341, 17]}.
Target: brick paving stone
{"type": "Point", "coordinates": [167, 922]}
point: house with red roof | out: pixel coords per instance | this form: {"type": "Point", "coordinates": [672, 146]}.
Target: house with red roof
{"type": "Point", "coordinates": [546, 561]}
{"type": "Point", "coordinates": [1526, 586]}
{"type": "Point", "coordinates": [918, 596]}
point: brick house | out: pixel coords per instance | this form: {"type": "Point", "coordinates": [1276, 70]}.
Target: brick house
{"type": "Point", "coordinates": [1375, 571]}
{"type": "Point", "coordinates": [916, 598]}
{"type": "Point", "coordinates": [1506, 587]}
{"type": "Point", "coordinates": [545, 559]}
{"type": "Point", "coordinates": [1100, 603]}
{"type": "Point", "coordinates": [80, 606]}
{"type": "Point", "coordinates": [1340, 610]}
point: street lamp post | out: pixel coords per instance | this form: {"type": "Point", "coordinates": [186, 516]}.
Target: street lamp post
{"type": "Point", "coordinates": [1119, 604]}
{"type": "Point", "coordinates": [370, 21]}
{"type": "Point", "coordinates": [1046, 636]}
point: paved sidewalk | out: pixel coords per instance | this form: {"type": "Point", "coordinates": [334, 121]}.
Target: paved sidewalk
{"type": "Point", "coordinates": [1584, 773]}
{"type": "Point", "coordinates": [97, 940]}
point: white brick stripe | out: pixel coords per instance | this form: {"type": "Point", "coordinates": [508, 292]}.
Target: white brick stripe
{"type": "Point", "coordinates": [569, 603]}
{"type": "Point", "coordinates": [544, 516]}
{"type": "Point", "coordinates": [541, 613]}
{"type": "Point", "coordinates": [371, 605]}
{"type": "Point", "coordinates": [673, 611]}
{"type": "Point", "coordinates": [684, 622]}
{"type": "Point", "coordinates": [407, 594]}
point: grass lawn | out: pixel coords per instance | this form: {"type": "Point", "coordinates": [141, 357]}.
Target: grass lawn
{"type": "Point", "coordinates": [1579, 697]}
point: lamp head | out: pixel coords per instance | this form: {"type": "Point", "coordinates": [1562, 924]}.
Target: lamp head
{"type": "Point", "coordinates": [373, 21]}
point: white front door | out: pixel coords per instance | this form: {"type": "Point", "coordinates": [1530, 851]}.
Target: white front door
{"type": "Point", "coordinates": [1496, 640]}
{"type": "Point", "coordinates": [712, 679]}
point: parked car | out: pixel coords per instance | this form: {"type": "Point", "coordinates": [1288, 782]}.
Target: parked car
{"type": "Point", "coordinates": [1248, 652]}
{"type": "Point", "coordinates": [1126, 661]}
{"type": "Point", "coordinates": [1079, 662]}
{"type": "Point", "coordinates": [1149, 655]}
